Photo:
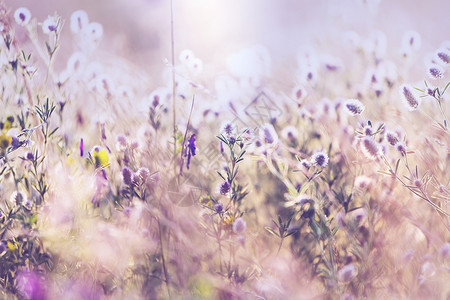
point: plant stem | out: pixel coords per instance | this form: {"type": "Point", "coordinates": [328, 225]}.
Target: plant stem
{"type": "Point", "coordinates": [173, 91]}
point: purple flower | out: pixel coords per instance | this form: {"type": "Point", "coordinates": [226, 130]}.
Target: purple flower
{"type": "Point", "coordinates": [190, 150]}
{"type": "Point", "coordinates": [81, 148]}
{"type": "Point", "coordinates": [31, 285]}
{"type": "Point", "coordinates": [224, 188]}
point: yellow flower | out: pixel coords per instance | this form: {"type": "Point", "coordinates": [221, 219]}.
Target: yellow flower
{"type": "Point", "coordinates": [228, 220]}
{"type": "Point", "coordinates": [100, 156]}
{"type": "Point", "coordinates": [5, 141]}
{"type": "Point", "coordinates": [11, 246]}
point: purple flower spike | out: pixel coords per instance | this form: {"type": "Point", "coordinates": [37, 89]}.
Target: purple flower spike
{"type": "Point", "coordinates": [191, 145]}
{"type": "Point", "coordinates": [190, 150]}
{"type": "Point", "coordinates": [81, 148]}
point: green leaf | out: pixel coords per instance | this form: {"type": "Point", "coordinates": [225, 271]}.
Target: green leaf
{"type": "Point", "coordinates": [270, 230]}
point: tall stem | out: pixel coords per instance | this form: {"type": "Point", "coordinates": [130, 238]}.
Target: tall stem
{"type": "Point", "coordinates": [174, 95]}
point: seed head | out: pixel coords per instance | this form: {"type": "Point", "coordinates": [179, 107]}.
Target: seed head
{"type": "Point", "coordinates": [370, 147]}
{"type": "Point", "coordinates": [354, 107]}
{"type": "Point", "coordinates": [409, 98]}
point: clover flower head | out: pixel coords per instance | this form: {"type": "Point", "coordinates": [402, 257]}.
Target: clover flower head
{"type": "Point", "coordinates": [369, 147]}
{"type": "Point", "coordinates": [268, 134]}
{"type": "Point", "coordinates": [391, 137]}
{"type": "Point", "coordinates": [319, 159]}
{"type": "Point", "coordinates": [354, 107]}
{"type": "Point", "coordinates": [401, 148]}
{"type": "Point", "coordinates": [239, 226]}
{"type": "Point", "coordinates": [410, 100]}
{"type": "Point", "coordinates": [144, 173]}
{"type": "Point", "coordinates": [22, 16]}
{"type": "Point", "coordinates": [224, 188]}
{"type": "Point", "coordinates": [435, 71]}
{"type": "Point", "coordinates": [289, 133]}
{"type": "Point", "coordinates": [218, 207]}
{"type": "Point", "coordinates": [126, 175]}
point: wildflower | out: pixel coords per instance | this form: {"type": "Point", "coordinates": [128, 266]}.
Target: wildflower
{"type": "Point", "coordinates": [435, 71]}
{"type": "Point", "coordinates": [367, 130]}
{"type": "Point", "coordinates": [228, 220]}
{"type": "Point", "coordinates": [78, 21]}
{"type": "Point", "coordinates": [347, 273]}
{"type": "Point", "coordinates": [190, 150]}
{"type": "Point", "coordinates": [94, 31]}
{"type": "Point", "coordinates": [268, 134]}
{"type": "Point", "coordinates": [196, 66]}
{"type": "Point", "coordinates": [50, 24]}
{"type": "Point", "coordinates": [228, 130]}
{"type": "Point", "coordinates": [411, 40]}
{"type": "Point", "coordinates": [81, 147]}
{"type": "Point", "coordinates": [224, 188]}
{"type": "Point", "coordinates": [369, 147]}
{"type": "Point", "coordinates": [30, 285]}
{"type": "Point", "coordinates": [18, 198]}
{"type": "Point", "coordinates": [354, 107]}
{"type": "Point", "coordinates": [126, 175]}
{"type": "Point", "coordinates": [391, 137]}
{"type": "Point", "coordinates": [135, 179]}
{"type": "Point", "coordinates": [143, 173]}
{"type": "Point", "coordinates": [363, 183]}
{"type": "Point", "coordinates": [22, 16]}
{"type": "Point", "coordinates": [443, 55]}
{"type": "Point", "coordinates": [444, 252]}
{"type": "Point", "coordinates": [401, 147]}
{"type": "Point", "coordinates": [299, 93]}
{"type": "Point", "coordinates": [418, 183]}
{"type": "Point", "coordinates": [30, 156]}
{"type": "Point", "coordinates": [319, 159]}
{"type": "Point", "coordinates": [290, 133]}
{"type": "Point", "coordinates": [218, 207]}
{"type": "Point", "coordinates": [409, 98]}
{"type": "Point", "coordinates": [5, 142]}
{"type": "Point", "coordinates": [239, 226]}
{"type": "Point", "coordinates": [100, 156]}
{"type": "Point", "coordinates": [186, 56]}
{"type": "Point", "coordinates": [76, 62]}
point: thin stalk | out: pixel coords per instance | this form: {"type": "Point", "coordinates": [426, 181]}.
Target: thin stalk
{"type": "Point", "coordinates": [166, 276]}
{"type": "Point", "coordinates": [173, 90]}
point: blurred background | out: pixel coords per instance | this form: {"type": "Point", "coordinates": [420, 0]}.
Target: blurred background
{"type": "Point", "coordinates": [139, 30]}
